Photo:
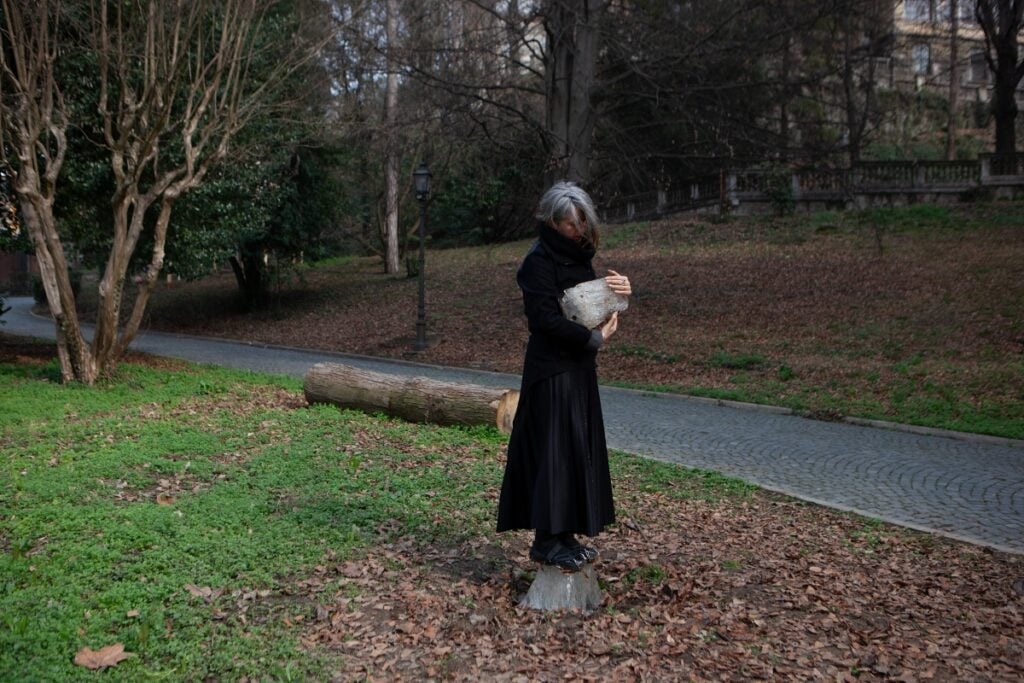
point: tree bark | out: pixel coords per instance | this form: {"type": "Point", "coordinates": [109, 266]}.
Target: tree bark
{"type": "Point", "coordinates": [391, 264]}
{"type": "Point", "coordinates": [954, 78]}
{"type": "Point", "coordinates": [76, 361]}
{"type": "Point", "coordinates": [1000, 21]}
{"type": "Point", "coordinates": [153, 269]}
{"type": "Point", "coordinates": [416, 399]}
{"type": "Point", "coordinates": [784, 133]}
{"type": "Point", "coordinates": [249, 277]}
{"type": "Point", "coordinates": [571, 68]}
{"type": "Point", "coordinates": [1004, 104]}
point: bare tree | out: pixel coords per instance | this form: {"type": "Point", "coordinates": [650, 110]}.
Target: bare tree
{"type": "Point", "coordinates": [1000, 21]}
{"type": "Point", "coordinates": [175, 85]}
{"type": "Point", "coordinates": [34, 126]}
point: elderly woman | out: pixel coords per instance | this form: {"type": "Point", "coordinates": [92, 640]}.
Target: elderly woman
{"type": "Point", "coordinates": [556, 477]}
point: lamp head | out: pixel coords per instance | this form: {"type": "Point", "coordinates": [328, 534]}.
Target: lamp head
{"type": "Point", "coordinates": [421, 181]}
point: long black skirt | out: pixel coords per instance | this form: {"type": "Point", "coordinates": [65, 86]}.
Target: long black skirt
{"type": "Point", "coordinates": [556, 477]}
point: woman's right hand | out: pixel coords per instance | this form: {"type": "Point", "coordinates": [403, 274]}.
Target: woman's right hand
{"type": "Point", "coordinates": [609, 326]}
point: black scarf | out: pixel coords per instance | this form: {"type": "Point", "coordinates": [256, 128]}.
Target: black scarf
{"type": "Point", "coordinates": [564, 248]}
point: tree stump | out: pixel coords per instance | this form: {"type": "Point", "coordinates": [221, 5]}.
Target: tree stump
{"type": "Point", "coordinates": [416, 399]}
{"type": "Point", "coordinates": [554, 589]}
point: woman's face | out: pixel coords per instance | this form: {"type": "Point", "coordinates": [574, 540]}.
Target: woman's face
{"type": "Point", "coordinates": [572, 226]}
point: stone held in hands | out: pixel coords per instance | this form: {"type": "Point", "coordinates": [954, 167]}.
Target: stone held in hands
{"type": "Point", "coordinates": [591, 303]}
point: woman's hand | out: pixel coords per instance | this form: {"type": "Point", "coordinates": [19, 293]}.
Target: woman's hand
{"type": "Point", "coordinates": [618, 283]}
{"type": "Point", "coordinates": [609, 326]}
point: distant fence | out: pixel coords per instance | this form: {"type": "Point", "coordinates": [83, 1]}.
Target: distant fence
{"type": "Point", "coordinates": [867, 184]}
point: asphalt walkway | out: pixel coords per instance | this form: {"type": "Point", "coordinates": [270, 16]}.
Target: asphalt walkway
{"type": "Point", "coordinates": [958, 486]}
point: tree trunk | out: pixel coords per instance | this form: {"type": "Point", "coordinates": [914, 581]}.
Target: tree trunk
{"type": "Point", "coordinates": [391, 264]}
{"type": "Point", "coordinates": [786, 94]}
{"type": "Point", "coordinates": [954, 79]}
{"type": "Point", "coordinates": [416, 399]}
{"type": "Point", "coordinates": [249, 277]}
{"type": "Point", "coordinates": [1000, 21]}
{"type": "Point", "coordinates": [76, 361]}
{"type": "Point", "coordinates": [849, 92]}
{"type": "Point", "coordinates": [572, 31]}
{"type": "Point", "coordinates": [146, 287]}
{"type": "Point", "coordinates": [1004, 106]}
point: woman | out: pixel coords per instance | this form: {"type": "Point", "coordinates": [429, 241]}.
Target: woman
{"type": "Point", "coordinates": [556, 478]}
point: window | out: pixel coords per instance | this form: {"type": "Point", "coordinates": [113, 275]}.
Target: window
{"type": "Point", "coordinates": [917, 10]}
{"type": "Point", "coordinates": [921, 56]}
{"type": "Point", "coordinates": [979, 67]}
{"type": "Point", "coordinates": [966, 11]}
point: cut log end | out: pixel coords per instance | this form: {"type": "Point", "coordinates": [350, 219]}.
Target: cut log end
{"type": "Point", "coordinates": [505, 413]}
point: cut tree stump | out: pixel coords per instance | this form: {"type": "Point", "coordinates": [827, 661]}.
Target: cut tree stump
{"type": "Point", "coordinates": [554, 589]}
{"type": "Point", "coordinates": [416, 399]}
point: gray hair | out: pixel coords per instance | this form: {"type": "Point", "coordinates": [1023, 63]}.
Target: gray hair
{"type": "Point", "coordinates": [566, 199]}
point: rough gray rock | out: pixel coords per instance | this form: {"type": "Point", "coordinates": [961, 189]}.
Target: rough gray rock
{"type": "Point", "coordinates": [591, 303]}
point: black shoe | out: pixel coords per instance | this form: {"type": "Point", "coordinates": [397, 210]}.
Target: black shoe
{"type": "Point", "coordinates": [588, 553]}
{"type": "Point", "coordinates": [558, 555]}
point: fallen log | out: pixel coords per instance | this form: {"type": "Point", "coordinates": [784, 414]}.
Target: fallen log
{"type": "Point", "coordinates": [416, 399]}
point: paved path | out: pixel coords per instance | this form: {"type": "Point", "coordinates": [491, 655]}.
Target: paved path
{"type": "Point", "coordinates": [963, 488]}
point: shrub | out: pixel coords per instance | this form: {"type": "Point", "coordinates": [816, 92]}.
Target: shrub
{"type": "Point", "coordinates": [779, 189]}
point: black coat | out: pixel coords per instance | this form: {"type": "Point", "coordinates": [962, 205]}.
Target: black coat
{"type": "Point", "coordinates": [557, 344]}
{"type": "Point", "coordinates": [556, 475]}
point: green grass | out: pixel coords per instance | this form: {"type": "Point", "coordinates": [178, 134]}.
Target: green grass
{"type": "Point", "coordinates": [910, 398]}
{"type": "Point", "coordinates": [616, 236]}
{"type": "Point", "coordinates": [259, 494]}
{"type": "Point", "coordinates": [675, 482]}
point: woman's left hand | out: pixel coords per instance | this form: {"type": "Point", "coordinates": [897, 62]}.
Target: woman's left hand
{"type": "Point", "coordinates": [618, 283]}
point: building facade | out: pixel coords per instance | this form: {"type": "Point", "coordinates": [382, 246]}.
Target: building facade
{"type": "Point", "coordinates": [921, 56]}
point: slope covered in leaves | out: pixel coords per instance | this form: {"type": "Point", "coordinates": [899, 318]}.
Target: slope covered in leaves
{"type": "Point", "coordinates": [913, 315]}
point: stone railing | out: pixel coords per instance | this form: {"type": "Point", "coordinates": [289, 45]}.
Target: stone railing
{"type": "Point", "coordinates": [1001, 165]}
{"type": "Point", "coordinates": [692, 195]}
{"type": "Point", "coordinates": [867, 183]}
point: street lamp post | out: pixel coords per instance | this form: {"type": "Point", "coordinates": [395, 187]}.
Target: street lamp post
{"type": "Point", "coordinates": [421, 181]}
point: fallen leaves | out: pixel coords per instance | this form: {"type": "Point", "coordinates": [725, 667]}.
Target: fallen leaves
{"type": "Point", "coordinates": [826, 307]}
{"type": "Point", "coordinates": [765, 589]}
{"type": "Point", "coordinates": [205, 593]}
{"type": "Point", "coordinates": [111, 655]}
